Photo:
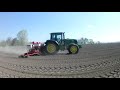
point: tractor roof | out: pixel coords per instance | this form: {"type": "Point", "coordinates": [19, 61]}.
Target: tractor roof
{"type": "Point", "coordinates": [56, 32]}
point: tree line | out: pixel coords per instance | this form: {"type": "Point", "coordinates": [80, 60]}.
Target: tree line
{"type": "Point", "coordinates": [22, 39]}
{"type": "Point", "coordinates": [83, 41]}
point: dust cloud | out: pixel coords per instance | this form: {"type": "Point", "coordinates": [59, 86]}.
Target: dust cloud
{"type": "Point", "coordinates": [13, 49]}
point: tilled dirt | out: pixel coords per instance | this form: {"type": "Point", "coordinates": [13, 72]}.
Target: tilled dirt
{"type": "Point", "coordinates": [92, 61]}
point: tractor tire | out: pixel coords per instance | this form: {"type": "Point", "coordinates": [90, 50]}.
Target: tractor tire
{"type": "Point", "coordinates": [51, 48]}
{"type": "Point", "coordinates": [42, 50]}
{"type": "Point", "coordinates": [73, 49]}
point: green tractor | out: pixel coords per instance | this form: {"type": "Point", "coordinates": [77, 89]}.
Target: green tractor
{"type": "Point", "coordinates": [58, 42]}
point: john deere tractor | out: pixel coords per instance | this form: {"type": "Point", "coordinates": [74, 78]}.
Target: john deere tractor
{"type": "Point", "coordinates": [58, 42]}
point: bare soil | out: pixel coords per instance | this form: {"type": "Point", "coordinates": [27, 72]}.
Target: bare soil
{"type": "Point", "coordinates": [92, 61]}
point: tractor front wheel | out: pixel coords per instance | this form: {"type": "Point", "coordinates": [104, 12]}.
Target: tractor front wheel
{"type": "Point", "coordinates": [73, 49]}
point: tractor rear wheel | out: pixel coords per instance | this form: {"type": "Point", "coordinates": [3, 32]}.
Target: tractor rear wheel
{"type": "Point", "coordinates": [73, 49]}
{"type": "Point", "coordinates": [51, 48]}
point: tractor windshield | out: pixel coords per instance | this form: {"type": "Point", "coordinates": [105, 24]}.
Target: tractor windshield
{"type": "Point", "coordinates": [53, 37]}
{"type": "Point", "coordinates": [57, 37]}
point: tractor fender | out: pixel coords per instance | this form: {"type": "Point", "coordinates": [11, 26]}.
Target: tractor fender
{"type": "Point", "coordinates": [52, 41]}
{"type": "Point", "coordinates": [80, 46]}
{"type": "Point", "coordinates": [72, 44]}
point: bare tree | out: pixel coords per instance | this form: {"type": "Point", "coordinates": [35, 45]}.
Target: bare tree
{"type": "Point", "coordinates": [22, 37]}
{"type": "Point", "coordinates": [83, 41]}
{"type": "Point", "coordinates": [91, 41]}
{"type": "Point", "coordinates": [14, 42]}
{"type": "Point", "coordinates": [9, 41]}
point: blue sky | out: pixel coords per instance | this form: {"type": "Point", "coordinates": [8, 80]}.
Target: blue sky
{"type": "Point", "coordinates": [99, 26]}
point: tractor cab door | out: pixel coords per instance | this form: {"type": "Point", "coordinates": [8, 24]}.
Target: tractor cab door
{"type": "Point", "coordinates": [59, 37]}
{"type": "Point", "coordinates": [61, 40]}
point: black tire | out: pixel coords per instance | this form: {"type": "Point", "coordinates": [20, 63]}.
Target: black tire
{"type": "Point", "coordinates": [42, 50]}
{"type": "Point", "coordinates": [71, 51]}
{"type": "Point", "coordinates": [51, 48]}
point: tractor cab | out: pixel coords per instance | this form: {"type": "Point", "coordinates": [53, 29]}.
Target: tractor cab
{"type": "Point", "coordinates": [58, 36]}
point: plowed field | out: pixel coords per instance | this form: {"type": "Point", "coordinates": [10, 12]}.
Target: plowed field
{"type": "Point", "coordinates": [92, 61]}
